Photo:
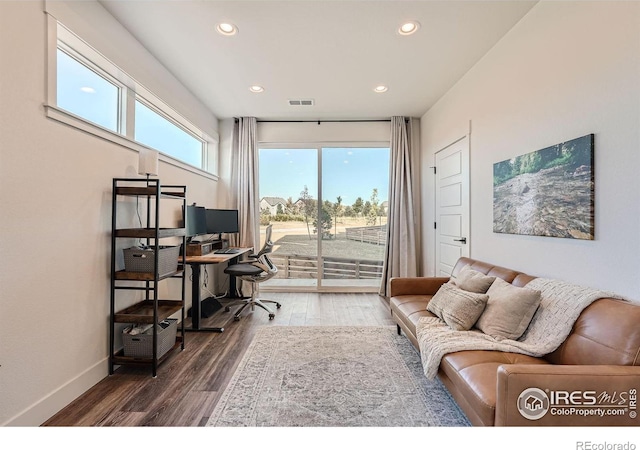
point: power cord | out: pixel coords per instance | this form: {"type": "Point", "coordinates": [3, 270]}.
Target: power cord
{"type": "Point", "coordinates": [205, 286]}
{"type": "Point", "coordinates": [140, 244]}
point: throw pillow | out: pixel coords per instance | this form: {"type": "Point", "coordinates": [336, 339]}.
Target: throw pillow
{"type": "Point", "coordinates": [509, 310]}
{"type": "Point", "coordinates": [458, 308]}
{"type": "Point", "coordinates": [473, 281]}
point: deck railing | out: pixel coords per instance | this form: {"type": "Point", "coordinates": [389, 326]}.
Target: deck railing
{"type": "Point", "coordinates": [299, 266]}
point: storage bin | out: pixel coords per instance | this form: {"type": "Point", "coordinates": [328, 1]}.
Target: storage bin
{"type": "Point", "coordinates": [141, 260]}
{"type": "Point", "coordinates": [141, 345]}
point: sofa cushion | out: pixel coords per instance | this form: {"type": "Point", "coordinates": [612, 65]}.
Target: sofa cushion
{"type": "Point", "coordinates": [459, 309]}
{"type": "Point", "coordinates": [474, 374]}
{"type": "Point", "coordinates": [509, 310]}
{"type": "Point", "coordinates": [473, 281]}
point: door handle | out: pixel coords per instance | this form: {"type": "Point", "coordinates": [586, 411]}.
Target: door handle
{"type": "Point", "coordinates": [463, 240]}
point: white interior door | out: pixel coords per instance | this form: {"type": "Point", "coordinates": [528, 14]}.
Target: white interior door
{"type": "Point", "coordinates": [452, 205]}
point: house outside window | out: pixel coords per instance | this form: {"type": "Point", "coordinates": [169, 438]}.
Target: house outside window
{"type": "Point", "coordinates": [273, 205]}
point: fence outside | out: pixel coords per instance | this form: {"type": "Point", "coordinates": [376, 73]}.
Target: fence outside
{"type": "Point", "coordinates": [299, 266]}
{"type": "Point", "coordinates": [372, 235]}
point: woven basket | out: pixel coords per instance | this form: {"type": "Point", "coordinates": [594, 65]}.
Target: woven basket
{"type": "Point", "coordinates": [141, 345]}
{"type": "Point", "coordinates": [141, 260]}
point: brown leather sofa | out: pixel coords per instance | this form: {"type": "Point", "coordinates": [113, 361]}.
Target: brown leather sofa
{"type": "Point", "coordinates": [592, 379]}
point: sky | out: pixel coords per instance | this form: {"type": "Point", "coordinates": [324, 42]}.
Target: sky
{"type": "Point", "coordinates": [346, 172]}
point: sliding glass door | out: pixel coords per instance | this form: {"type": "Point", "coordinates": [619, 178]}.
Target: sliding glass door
{"type": "Point", "coordinates": [355, 184]}
{"type": "Point", "coordinates": [328, 211]}
{"type": "Point", "coordinates": [288, 201]}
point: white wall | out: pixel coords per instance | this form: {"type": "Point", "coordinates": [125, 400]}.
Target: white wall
{"type": "Point", "coordinates": [325, 132]}
{"type": "Point", "coordinates": [55, 203]}
{"type": "Point", "coordinates": [565, 70]}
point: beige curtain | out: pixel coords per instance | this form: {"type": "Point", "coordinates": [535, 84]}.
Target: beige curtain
{"type": "Point", "coordinates": [401, 259]}
{"type": "Point", "coordinates": [244, 181]}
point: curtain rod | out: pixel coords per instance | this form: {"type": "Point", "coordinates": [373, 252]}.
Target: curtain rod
{"type": "Point", "coordinates": [321, 120]}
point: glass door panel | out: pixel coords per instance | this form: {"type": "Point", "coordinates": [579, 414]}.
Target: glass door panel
{"type": "Point", "coordinates": [288, 201]}
{"type": "Point", "coordinates": [354, 194]}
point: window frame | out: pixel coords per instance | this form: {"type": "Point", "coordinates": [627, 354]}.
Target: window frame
{"type": "Point", "coordinates": [129, 91]}
{"type": "Point", "coordinates": [80, 59]}
{"type": "Point", "coordinates": [152, 106]}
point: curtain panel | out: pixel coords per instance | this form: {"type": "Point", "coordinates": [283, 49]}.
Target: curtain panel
{"type": "Point", "coordinates": [244, 181]}
{"type": "Point", "coordinates": [401, 259]}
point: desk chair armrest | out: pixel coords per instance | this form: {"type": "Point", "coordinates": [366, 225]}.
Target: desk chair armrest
{"type": "Point", "coordinates": [248, 260]}
{"type": "Point", "coordinates": [261, 266]}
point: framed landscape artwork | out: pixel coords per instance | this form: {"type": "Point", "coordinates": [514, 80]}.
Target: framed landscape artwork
{"type": "Point", "coordinates": [549, 192]}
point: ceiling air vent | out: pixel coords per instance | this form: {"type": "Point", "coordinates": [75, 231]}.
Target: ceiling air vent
{"type": "Point", "coordinates": [301, 102]}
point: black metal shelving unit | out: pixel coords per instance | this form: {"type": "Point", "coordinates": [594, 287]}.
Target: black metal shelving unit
{"type": "Point", "coordinates": [151, 309]}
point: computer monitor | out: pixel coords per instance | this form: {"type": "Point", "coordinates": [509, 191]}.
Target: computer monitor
{"type": "Point", "coordinates": [222, 221]}
{"type": "Point", "coordinates": [196, 219]}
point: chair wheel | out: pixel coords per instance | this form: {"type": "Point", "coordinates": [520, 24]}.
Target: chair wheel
{"type": "Point", "coordinates": [236, 318]}
{"type": "Point", "coordinates": [227, 309]}
{"type": "Point", "coordinates": [272, 316]}
{"type": "Point", "coordinates": [278, 305]}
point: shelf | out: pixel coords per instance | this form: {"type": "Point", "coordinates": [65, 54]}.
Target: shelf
{"type": "Point", "coordinates": [120, 359]}
{"type": "Point", "coordinates": [150, 309]}
{"type": "Point", "coordinates": [166, 192]}
{"type": "Point", "coordinates": [142, 312]}
{"type": "Point", "coordinates": [144, 276]}
{"type": "Point", "coordinates": [150, 232]}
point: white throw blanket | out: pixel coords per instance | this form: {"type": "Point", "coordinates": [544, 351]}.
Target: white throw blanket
{"type": "Point", "coordinates": [560, 305]}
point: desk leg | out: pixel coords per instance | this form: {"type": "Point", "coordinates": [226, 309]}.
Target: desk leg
{"type": "Point", "coordinates": [195, 302]}
{"type": "Point", "coordinates": [233, 285]}
{"type": "Point", "coordinates": [195, 296]}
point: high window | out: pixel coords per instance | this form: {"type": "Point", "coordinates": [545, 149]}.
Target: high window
{"type": "Point", "coordinates": [85, 93]}
{"type": "Point", "coordinates": [89, 92]}
{"type": "Point", "coordinates": [154, 129]}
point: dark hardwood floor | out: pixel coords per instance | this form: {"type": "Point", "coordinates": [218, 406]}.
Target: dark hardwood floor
{"type": "Point", "coordinates": [190, 382]}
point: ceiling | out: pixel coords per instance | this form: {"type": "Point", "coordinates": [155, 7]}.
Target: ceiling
{"type": "Point", "coordinates": [334, 52]}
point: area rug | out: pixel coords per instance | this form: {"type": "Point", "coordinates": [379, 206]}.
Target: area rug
{"type": "Point", "coordinates": [333, 377]}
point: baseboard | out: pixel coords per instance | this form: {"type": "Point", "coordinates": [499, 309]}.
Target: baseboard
{"type": "Point", "coordinates": [38, 413]}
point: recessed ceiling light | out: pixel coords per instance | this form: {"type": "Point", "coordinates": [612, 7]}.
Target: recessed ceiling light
{"type": "Point", "coordinates": [408, 28]}
{"type": "Point", "coordinates": [227, 29]}
{"type": "Point", "coordinates": [255, 88]}
{"type": "Point", "coordinates": [380, 89]}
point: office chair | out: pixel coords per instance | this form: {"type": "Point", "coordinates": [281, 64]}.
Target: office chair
{"type": "Point", "coordinates": [256, 269]}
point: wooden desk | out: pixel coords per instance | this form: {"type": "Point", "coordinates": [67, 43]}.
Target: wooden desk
{"type": "Point", "coordinates": [196, 263]}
